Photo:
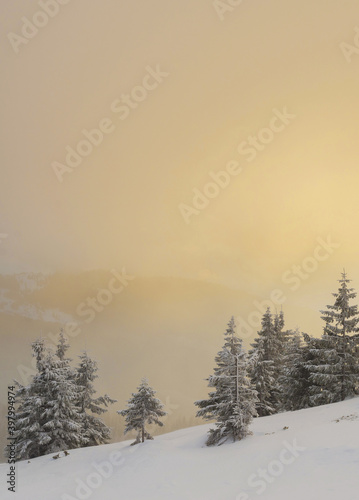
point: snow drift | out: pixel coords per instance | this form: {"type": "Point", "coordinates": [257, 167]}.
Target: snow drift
{"type": "Point", "coordinates": [310, 454]}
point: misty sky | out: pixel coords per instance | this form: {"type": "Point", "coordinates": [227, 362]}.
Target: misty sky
{"type": "Point", "coordinates": [225, 80]}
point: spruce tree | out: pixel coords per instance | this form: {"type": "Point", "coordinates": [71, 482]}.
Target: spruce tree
{"type": "Point", "coordinates": [262, 374]}
{"type": "Point", "coordinates": [265, 363]}
{"type": "Point", "coordinates": [63, 362]}
{"type": "Point", "coordinates": [335, 364]}
{"type": "Point", "coordinates": [62, 347]}
{"type": "Point", "coordinates": [232, 403]}
{"type": "Point", "coordinates": [93, 430]}
{"type": "Point", "coordinates": [60, 418]}
{"type": "Point", "coordinates": [46, 417]}
{"type": "Point", "coordinates": [142, 408]}
{"type": "Point", "coordinates": [281, 337]}
{"type": "Point", "coordinates": [30, 438]}
{"type": "Point", "coordinates": [294, 377]}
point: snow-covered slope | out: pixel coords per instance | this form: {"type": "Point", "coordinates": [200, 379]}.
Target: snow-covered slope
{"type": "Point", "coordinates": [316, 458]}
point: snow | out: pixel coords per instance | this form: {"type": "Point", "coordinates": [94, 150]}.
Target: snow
{"type": "Point", "coordinates": [178, 466]}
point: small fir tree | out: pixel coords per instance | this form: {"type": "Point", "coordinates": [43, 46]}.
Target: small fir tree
{"type": "Point", "coordinates": [143, 408]}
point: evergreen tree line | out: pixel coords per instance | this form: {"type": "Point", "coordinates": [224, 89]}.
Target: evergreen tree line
{"type": "Point", "coordinates": [57, 411]}
{"type": "Point", "coordinates": [284, 370]}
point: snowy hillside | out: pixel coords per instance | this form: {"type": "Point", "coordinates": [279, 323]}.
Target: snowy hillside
{"type": "Point", "coordinates": [316, 458]}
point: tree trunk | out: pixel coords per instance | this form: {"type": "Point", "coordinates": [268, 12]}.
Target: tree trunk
{"type": "Point", "coordinates": [143, 434]}
{"type": "Point", "coordinates": [343, 363]}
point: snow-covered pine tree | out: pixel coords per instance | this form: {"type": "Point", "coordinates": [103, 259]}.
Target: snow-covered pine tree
{"type": "Point", "coordinates": [232, 403]}
{"type": "Point", "coordinates": [262, 375]}
{"type": "Point", "coordinates": [30, 439]}
{"type": "Point", "coordinates": [322, 357]}
{"type": "Point", "coordinates": [63, 362]}
{"type": "Point", "coordinates": [282, 337]}
{"type": "Point", "coordinates": [62, 346]}
{"type": "Point", "coordinates": [278, 324]}
{"type": "Point", "coordinates": [335, 364]}
{"type": "Point", "coordinates": [93, 430]}
{"type": "Point", "coordinates": [47, 419]}
{"type": "Point", "coordinates": [142, 408]}
{"type": "Point", "coordinates": [294, 377]}
{"type": "Point", "coordinates": [265, 363]}
{"type": "Point", "coordinates": [60, 419]}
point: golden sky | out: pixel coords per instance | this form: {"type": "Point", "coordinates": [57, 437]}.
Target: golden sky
{"type": "Point", "coordinates": [223, 80]}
